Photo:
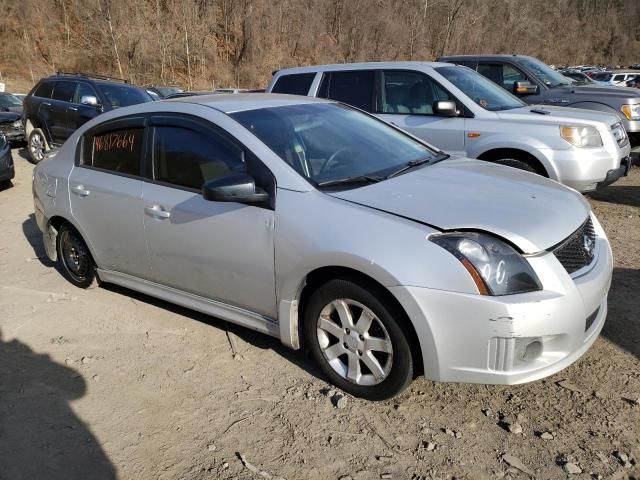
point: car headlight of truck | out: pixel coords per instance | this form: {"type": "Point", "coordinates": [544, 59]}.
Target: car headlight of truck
{"type": "Point", "coordinates": [632, 112]}
{"type": "Point", "coordinates": [581, 135]}
{"type": "Point", "coordinates": [496, 267]}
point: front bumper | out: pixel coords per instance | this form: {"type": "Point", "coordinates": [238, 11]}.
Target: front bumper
{"type": "Point", "coordinates": [13, 134]}
{"type": "Point", "coordinates": [616, 173]}
{"type": "Point", "coordinates": [516, 338]}
{"type": "Point", "coordinates": [7, 171]}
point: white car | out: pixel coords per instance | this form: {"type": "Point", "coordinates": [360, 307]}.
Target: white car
{"type": "Point", "coordinates": [326, 227]}
{"type": "Point", "coordinates": [463, 113]}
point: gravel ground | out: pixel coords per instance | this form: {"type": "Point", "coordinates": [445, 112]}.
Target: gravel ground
{"type": "Point", "coordinates": [107, 383]}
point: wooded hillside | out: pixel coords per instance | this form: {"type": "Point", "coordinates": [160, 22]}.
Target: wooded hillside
{"type": "Point", "coordinates": [200, 44]}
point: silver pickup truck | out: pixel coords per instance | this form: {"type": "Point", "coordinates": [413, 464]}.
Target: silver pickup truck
{"type": "Point", "coordinates": [463, 113]}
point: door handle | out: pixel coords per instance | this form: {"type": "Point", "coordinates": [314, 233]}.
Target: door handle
{"type": "Point", "coordinates": [80, 190]}
{"type": "Point", "coordinates": [46, 104]}
{"type": "Point", "coordinates": [156, 211]}
{"type": "Point", "coordinates": [73, 109]}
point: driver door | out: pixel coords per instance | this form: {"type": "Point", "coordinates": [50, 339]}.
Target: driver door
{"type": "Point", "coordinates": [407, 102]}
{"type": "Point", "coordinates": [223, 251]}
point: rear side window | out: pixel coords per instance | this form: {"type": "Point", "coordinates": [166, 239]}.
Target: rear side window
{"type": "Point", "coordinates": [295, 84]}
{"type": "Point", "coordinates": [44, 90]}
{"type": "Point", "coordinates": [353, 88]}
{"type": "Point", "coordinates": [64, 91]}
{"type": "Point", "coordinates": [188, 158]}
{"type": "Point", "coordinates": [116, 151]}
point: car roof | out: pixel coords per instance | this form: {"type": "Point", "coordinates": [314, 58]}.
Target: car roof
{"type": "Point", "coordinates": [486, 56]}
{"type": "Point", "coordinates": [237, 102]}
{"type": "Point", "coordinates": [360, 66]}
{"type": "Point", "coordinates": [88, 78]}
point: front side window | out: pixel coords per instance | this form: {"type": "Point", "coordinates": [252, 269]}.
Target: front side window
{"type": "Point", "coordinates": [83, 90]}
{"type": "Point", "coordinates": [294, 84]}
{"type": "Point", "coordinates": [123, 95]}
{"type": "Point", "coordinates": [353, 88]}
{"type": "Point", "coordinates": [545, 73]}
{"type": "Point", "coordinates": [64, 91]}
{"type": "Point", "coordinates": [188, 158]}
{"type": "Point", "coordinates": [116, 151]}
{"type": "Point", "coordinates": [502, 74]}
{"type": "Point", "coordinates": [482, 91]}
{"type": "Point", "coordinates": [325, 142]}
{"type": "Point", "coordinates": [411, 93]}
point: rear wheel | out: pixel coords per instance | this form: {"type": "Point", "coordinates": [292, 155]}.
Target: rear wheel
{"type": "Point", "coordinates": [36, 145]}
{"type": "Point", "coordinates": [357, 340]}
{"type": "Point", "coordinates": [74, 257]}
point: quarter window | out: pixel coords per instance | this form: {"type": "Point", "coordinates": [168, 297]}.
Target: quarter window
{"type": "Point", "coordinates": [189, 158]}
{"type": "Point", "coordinates": [503, 74]}
{"type": "Point", "coordinates": [295, 84]}
{"type": "Point", "coordinates": [117, 151]}
{"type": "Point", "coordinates": [353, 88]}
{"type": "Point", "coordinates": [64, 91]}
{"type": "Point", "coordinates": [411, 93]}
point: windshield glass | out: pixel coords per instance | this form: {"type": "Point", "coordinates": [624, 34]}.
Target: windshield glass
{"type": "Point", "coordinates": [480, 89]}
{"type": "Point", "coordinates": [123, 95]}
{"type": "Point", "coordinates": [602, 77]}
{"type": "Point", "coordinates": [545, 73]}
{"type": "Point", "coordinates": [8, 100]}
{"type": "Point", "coordinates": [325, 142]}
{"type": "Point", "coordinates": [164, 91]}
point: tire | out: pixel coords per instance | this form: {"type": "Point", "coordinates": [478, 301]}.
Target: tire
{"type": "Point", "coordinates": [342, 349]}
{"type": "Point", "coordinates": [74, 258]}
{"type": "Point", "coordinates": [36, 146]}
{"type": "Point", "coordinates": [6, 184]}
{"type": "Point", "coordinates": [515, 163]}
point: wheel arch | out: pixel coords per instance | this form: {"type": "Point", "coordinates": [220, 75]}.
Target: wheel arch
{"type": "Point", "coordinates": [50, 236]}
{"type": "Point", "coordinates": [292, 312]}
{"type": "Point", "coordinates": [518, 154]}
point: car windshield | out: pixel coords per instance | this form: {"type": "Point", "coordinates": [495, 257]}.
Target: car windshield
{"type": "Point", "coordinates": [545, 73]}
{"type": "Point", "coordinates": [123, 95]}
{"type": "Point", "coordinates": [330, 142]}
{"type": "Point", "coordinates": [480, 89]}
{"type": "Point", "coordinates": [164, 91]}
{"type": "Point", "coordinates": [602, 77]}
{"type": "Point", "coordinates": [8, 100]}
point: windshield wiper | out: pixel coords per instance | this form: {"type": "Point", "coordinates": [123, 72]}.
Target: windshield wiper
{"type": "Point", "coordinates": [365, 179]}
{"type": "Point", "coordinates": [416, 163]}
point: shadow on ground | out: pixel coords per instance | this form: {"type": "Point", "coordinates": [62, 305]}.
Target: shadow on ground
{"type": "Point", "coordinates": [40, 436]}
{"type": "Point", "coordinates": [619, 194]}
{"type": "Point", "coordinates": [623, 321]}
{"type": "Point", "coordinates": [34, 236]}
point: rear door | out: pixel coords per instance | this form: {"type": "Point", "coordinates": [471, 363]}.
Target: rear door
{"type": "Point", "coordinates": [407, 99]}
{"type": "Point", "coordinates": [60, 125]}
{"type": "Point", "coordinates": [105, 190]}
{"type": "Point", "coordinates": [222, 251]}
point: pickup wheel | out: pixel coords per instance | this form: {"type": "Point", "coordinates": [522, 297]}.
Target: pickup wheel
{"type": "Point", "coordinates": [36, 145]}
{"type": "Point", "coordinates": [515, 163]}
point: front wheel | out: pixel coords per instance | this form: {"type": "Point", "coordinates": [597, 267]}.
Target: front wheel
{"type": "Point", "coordinates": [36, 145]}
{"type": "Point", "coordinates": [74, 257]}
{"type": "Point", "coordinates": [515, 163]}
{"type": "Point", "coordinates": [357, 341]}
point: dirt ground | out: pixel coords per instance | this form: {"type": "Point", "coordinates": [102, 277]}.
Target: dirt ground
{"type": "Point", "coordinates": [107, 383]}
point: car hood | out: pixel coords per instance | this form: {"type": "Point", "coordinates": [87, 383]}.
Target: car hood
{"type": "Point", "coordinates": [557, 115]}
{"type": "Point", "coordinates": [597, 90]}
{"type": "Point", "coordinates": [9, 116]}
{"type": "Point", "coordinates": [530, 211]}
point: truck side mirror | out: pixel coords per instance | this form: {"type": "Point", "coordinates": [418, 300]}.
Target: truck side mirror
{"type": "Point", "coordinates": [524, 88]}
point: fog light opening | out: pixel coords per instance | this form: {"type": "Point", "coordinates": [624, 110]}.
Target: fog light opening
{"type": "Point", "coordinates": [532, 351]}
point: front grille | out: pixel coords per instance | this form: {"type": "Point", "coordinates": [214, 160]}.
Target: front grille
{"type": "Point", "coordinates": [578, 250]}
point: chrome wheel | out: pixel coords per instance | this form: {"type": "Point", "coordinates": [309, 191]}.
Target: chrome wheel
{"type": "Point", "coordinates": [37, 146]}
{"type": "Point", "coordinates": [354, 342]}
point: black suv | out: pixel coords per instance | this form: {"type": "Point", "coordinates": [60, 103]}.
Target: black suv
{"type": "Point", "coordinates": [61, 103]}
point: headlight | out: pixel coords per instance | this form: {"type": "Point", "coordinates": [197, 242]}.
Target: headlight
{"type": "Point", "coordinates": [632, 112]}
{"type": "Point", "coordinates": [17, 124]}
{"type": "Point", "coordinates": [581, 136]}
{"type": "Point", "coordinates": [496, 268]}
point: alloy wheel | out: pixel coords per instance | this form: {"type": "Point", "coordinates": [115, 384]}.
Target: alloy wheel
{"type": "Point", "coordinates": [354, 342]}
{"type": "Point", "coordinates": [36, 146]}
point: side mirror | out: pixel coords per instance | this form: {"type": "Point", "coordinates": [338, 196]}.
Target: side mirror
{"type": "Point", "coordinates": [234, 187]}
{"type": "Point", "coordinates": [445, 108]}
{"type": "Point", "coordinates": [524, 88]}
{"type": "Point", "coordinates": [89, 100]}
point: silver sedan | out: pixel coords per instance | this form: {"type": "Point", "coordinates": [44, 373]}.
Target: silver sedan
{"type": "Point", "coordinates": [323, 226]}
